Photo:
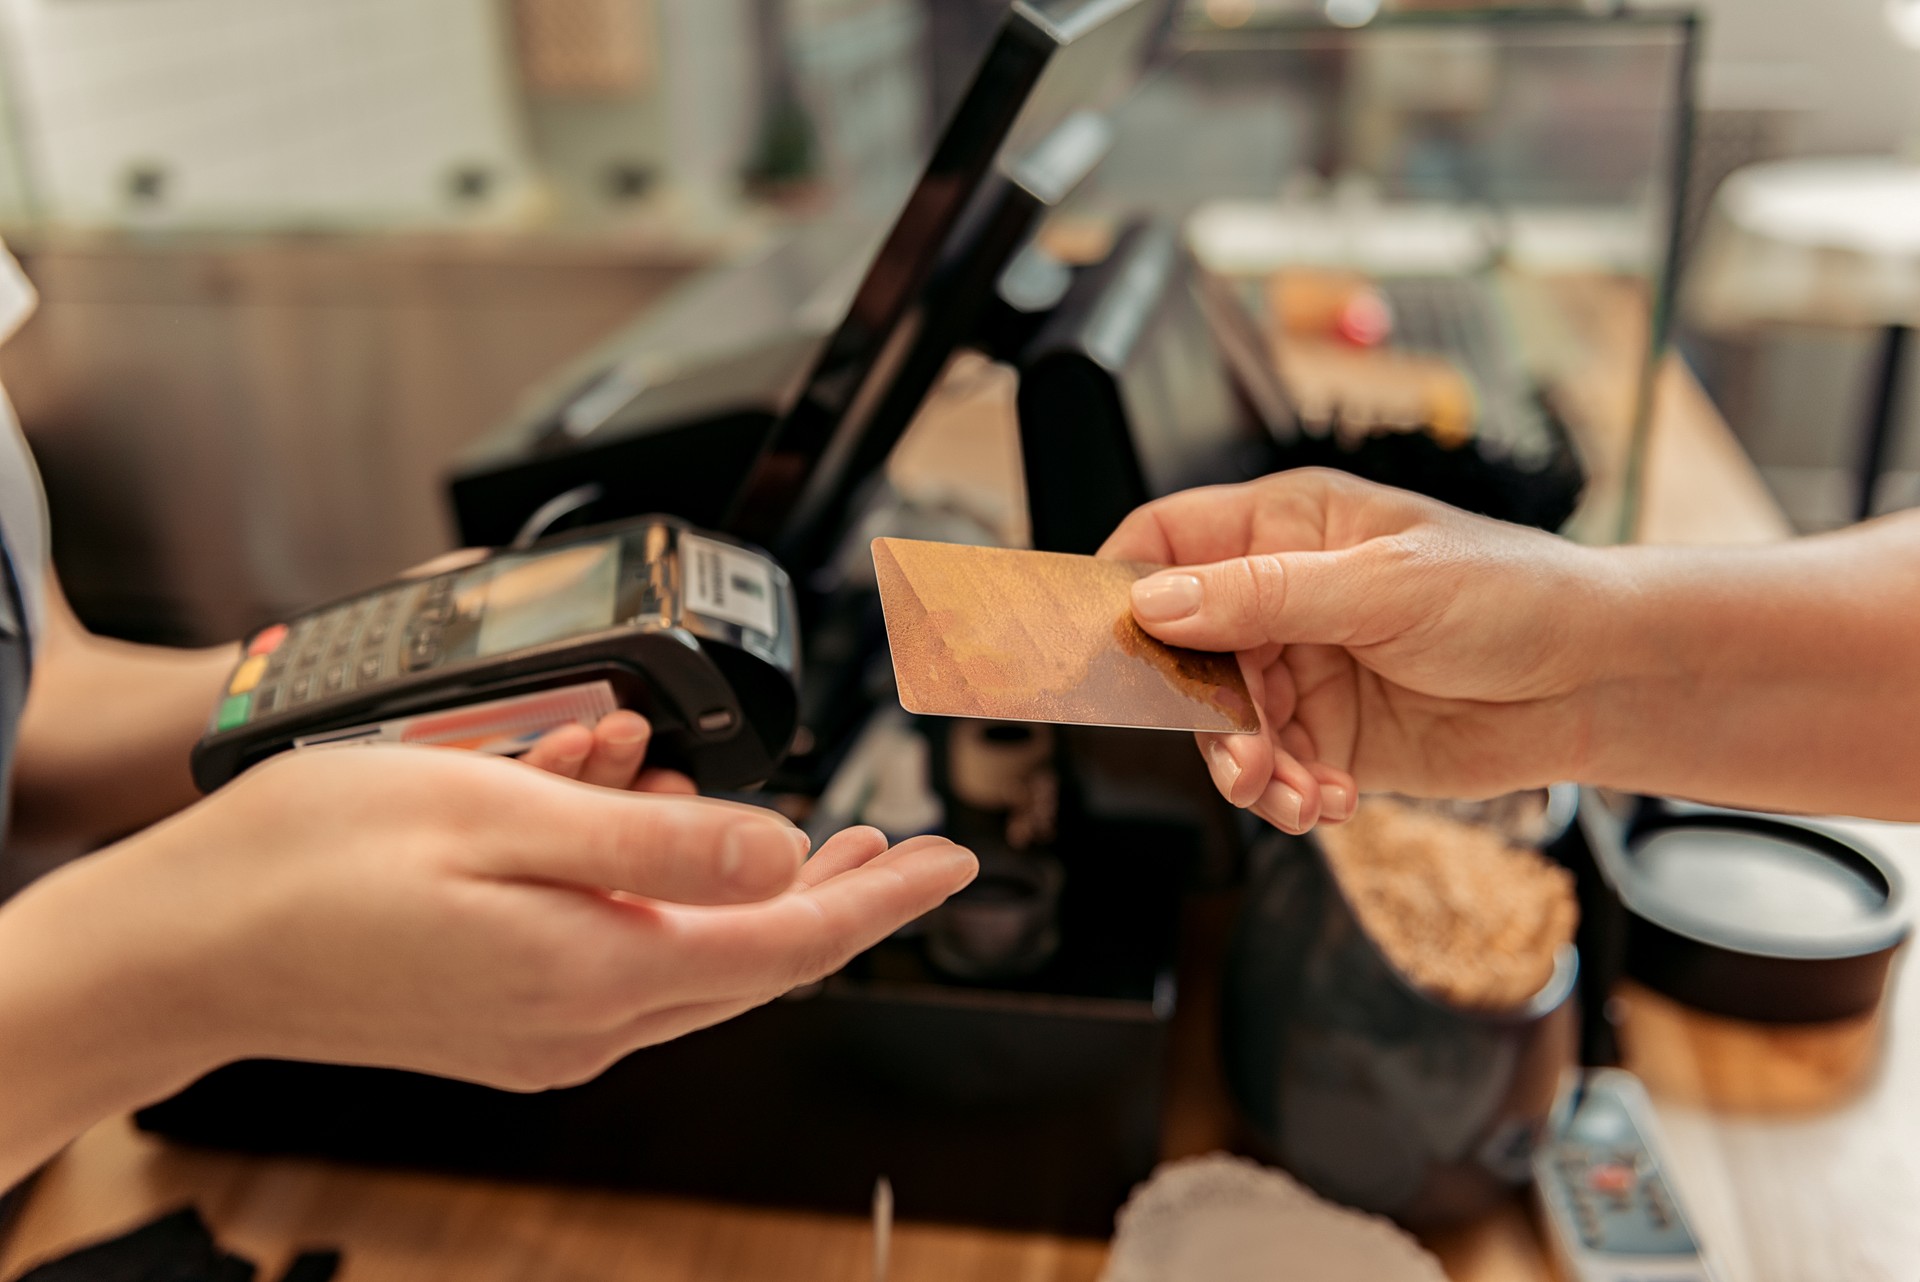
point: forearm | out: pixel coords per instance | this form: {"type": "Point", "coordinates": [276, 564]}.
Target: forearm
{"type": "Point", "coordinates": [1784, 678]}
{"type": "Point", "coordinates": [91, 1025]}
{"type": "Point", "coordinates": [107, 733]}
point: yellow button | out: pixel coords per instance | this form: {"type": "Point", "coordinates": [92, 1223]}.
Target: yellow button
{"type": "Point", "coordinates": [248, 674]}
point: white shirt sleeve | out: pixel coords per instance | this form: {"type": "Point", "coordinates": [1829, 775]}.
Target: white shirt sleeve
{"type": "Point", "coordinates": [16, 295]}
{"type": "Point", "coordinates": [23, 505]}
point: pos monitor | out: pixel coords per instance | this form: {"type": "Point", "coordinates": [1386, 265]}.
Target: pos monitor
{"type": "Point", "coordinates": [1023, 136]}
{"type": "Point", "coordinates": [792, 430]}
{"type": "Point", "coordinates": [771, 432]}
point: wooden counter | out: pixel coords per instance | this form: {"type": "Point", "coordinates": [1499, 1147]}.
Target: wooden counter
{"type": "Point", "coordinates": [1799, 1149]}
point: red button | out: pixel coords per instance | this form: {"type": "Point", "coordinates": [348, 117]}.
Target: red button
{"type": "Point", "coordinates": [1366, 320]}
{"type": "Point", "coordinates": [1614, 1177]}
{"type": "Point", "coordinates": [268, 640]}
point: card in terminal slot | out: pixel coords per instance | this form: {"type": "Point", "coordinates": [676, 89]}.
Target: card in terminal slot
{"type": "Point", "coordinates": [1042, 636]}
{"type": "Point", "coordinates": [502, 727]}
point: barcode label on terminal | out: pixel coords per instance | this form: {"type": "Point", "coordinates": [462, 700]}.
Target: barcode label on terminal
{"type": "Point", "coordinates": [726, 583]}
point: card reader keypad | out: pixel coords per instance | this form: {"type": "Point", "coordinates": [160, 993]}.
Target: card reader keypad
{"type": "Point", "coordinates": [338, 650]}
{"type": "Point", "coordinates": [1605, 1177]}
{"type": "Point", "coordinates": [424, 629]}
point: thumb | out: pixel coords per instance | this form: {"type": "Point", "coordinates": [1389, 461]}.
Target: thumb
{"type": "Point", "coordinates": [688, 850]}
{"type": "Point", "coordinates": [1286, 597]}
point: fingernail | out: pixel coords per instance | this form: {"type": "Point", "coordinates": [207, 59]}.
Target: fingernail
{"type": "Point", "coordinates": [1336, 802]}
{"type": "Point", "coordinates": [959, 858]}
{"type": "Point", "coordinates": [625, 737]}
{"type": "Point", "coordinates": [1162, 598]}
{"type": "Point", "coordinates": [1226, 771]}
{"type": "Point", "coordinates": [1282, 807]}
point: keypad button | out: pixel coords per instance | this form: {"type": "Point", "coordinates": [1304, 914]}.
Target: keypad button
{"type": "Point", "coordinates": [369, 669]}
{"type": "Point", "coordinates": [234, 710]}
{"type": "Point", "coordinates": [336, 678]}
{"type": "Point", "coordinates": [375, 633]}
{"type": "Point", "coordinates": [301, 690]}
{"type": "Point", "coordinates": [248, 674]}
{"type": "Point", "coordinates": [423, 644]}
{"type": "Point", "coordinates": [267, 699]}
{"type": "Point", "coordinates": [1613, 1177]}
{"type": "Point", "coordinates": [268, 640]}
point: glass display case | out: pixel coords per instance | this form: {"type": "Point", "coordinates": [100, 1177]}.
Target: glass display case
{"type": "Point", "coordinates": [1500, 191]}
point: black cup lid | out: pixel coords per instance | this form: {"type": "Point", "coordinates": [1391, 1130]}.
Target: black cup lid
{"type": "Point", "coordinates": [1756, 916]}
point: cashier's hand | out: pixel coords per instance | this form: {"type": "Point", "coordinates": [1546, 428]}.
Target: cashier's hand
{"type": "Point", "coordinates": [611, 755]}
{"type": "Point", "coordinates": [463, 915]}
{"type": "Point", "coordinates": [1392, 643]}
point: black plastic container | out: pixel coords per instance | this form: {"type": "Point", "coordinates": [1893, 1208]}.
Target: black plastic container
{"type": "Point", "coordinates": [1759, 917]}
{"type": "Point", "coordinates": [1358, 1082]}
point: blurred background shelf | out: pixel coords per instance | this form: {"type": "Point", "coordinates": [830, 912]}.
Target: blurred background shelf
{"type": "Point", "coordinates": [216, 414]}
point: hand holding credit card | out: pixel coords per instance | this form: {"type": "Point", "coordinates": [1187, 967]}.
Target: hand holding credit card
{"type": "Point", "coordinates": [1043, 636]}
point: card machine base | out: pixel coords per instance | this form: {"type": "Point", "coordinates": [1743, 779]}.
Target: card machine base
{"type": "Point", "coordinates": [696, 632]}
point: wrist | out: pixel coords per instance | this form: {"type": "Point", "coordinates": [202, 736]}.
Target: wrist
{"type": "Point", "coordinates": [1613, 610]}
{"type": "Point", "coordinates": [98, 1010]}
{"type": "Point", "coordinates": [1644, 664]}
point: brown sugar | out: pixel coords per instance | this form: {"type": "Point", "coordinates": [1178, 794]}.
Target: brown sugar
{"type": "Point", "coordinates": [1468, 918]}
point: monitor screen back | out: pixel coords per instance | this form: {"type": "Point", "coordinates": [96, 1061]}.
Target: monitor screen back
{"type": "Point", "coordinates": [1050, 60]}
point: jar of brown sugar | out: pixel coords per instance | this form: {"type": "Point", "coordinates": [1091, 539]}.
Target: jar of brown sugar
{"type": "Point", "coordinates": [1399, 1002]}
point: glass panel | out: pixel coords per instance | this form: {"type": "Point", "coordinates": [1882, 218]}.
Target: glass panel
{"type": "Point", "coordinates": [1529, 159]}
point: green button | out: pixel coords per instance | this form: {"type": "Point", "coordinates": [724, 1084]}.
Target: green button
{"type": "Point", "coordinates": [233, 711]}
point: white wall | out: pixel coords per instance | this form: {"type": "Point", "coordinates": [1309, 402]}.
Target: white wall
{"type": "Point", "coordinates": [711, 74]}
{"type": "Point", "coordinates": [694, 124]}
{"type": "Point", "coordinates": [15, 201]}
{"type": "Point", "coordinates": [262, 111]}
{"type": "Point", "coordinates": [1858, 88]}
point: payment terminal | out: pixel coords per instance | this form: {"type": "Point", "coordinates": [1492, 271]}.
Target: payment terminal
{"type": "Point", "coordinates": [694, 631]}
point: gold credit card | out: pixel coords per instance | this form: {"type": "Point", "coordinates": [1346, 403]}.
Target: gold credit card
{"type": "Point", "coordinates": [1042, 636]}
